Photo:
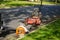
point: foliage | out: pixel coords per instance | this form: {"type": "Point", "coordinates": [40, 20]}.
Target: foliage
{"type": "Point", "coordinates": [49, 32]}
{"type": "Point", "coordinates": [9, 4]}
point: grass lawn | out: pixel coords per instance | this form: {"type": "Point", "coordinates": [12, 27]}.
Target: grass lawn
{"type": "Point", "coordinates": [49, 32]}
{"type": "Point", "coordinates": [22, 3]}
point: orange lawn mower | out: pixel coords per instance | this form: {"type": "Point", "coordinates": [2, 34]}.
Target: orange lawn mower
{"type": "Point", "coordinates": [35, 19]}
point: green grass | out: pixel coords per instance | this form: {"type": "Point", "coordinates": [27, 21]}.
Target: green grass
{"type": "Point", "coordinates": [49, 32]}
{"type": "Point", "coordinates": [18, 3]}
{"type": "Point", "coordinates": [22, 3]}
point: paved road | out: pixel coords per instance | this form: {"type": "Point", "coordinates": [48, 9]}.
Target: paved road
{"type": "Point", "coordinates": [13, 16]}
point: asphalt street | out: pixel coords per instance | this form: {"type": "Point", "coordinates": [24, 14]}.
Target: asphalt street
{"type": "Point", "coordinates": [12, 17]}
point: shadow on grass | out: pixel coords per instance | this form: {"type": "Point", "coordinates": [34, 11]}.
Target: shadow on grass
{"type": "Point", "coordinates": [2, 2]}
{"type": "Point", "coordinates": [21, 4]}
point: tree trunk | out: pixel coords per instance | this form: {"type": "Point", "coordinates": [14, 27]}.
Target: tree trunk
{"type": "Point", "coordinates": [56, 1]}
{"type": "Point", "coordinates": [41, 2]}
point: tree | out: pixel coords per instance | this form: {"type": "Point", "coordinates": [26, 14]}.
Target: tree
{"type": "Point", "coordinates": [41, 2]}
{"type": "Point", "coordinates": [56, 1]}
